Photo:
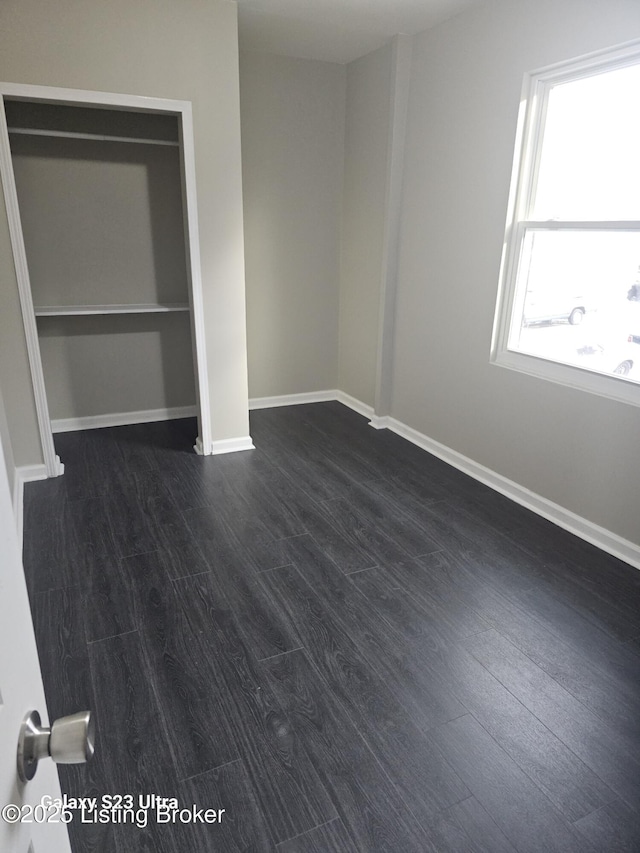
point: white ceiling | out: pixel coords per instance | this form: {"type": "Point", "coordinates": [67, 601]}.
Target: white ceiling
{"type": "Point", "coordinates": [336, 30]}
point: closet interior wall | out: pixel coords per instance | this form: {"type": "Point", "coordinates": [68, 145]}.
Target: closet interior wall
{"type": "Point", "coordinates": [100, 200]}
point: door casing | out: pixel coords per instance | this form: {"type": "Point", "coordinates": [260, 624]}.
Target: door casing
{"type": "Point", "coordinates": [132, 103]}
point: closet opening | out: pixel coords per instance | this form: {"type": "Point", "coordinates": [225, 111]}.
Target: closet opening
{"type": "Point", "coordinates": [110, 281]}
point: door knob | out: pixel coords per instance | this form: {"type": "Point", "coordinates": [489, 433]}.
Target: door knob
{"type": "Point", "coordinates": [70, 740]}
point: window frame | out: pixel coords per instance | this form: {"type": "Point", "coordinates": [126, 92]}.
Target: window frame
{"type": "Point", "coordinates": [526, 164]}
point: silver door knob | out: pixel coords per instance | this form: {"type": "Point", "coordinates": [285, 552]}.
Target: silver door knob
{"type": "Point", "coordinates": [70, 740]}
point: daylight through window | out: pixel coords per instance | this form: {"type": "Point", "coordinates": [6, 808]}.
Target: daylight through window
{"type": "Point", "coordinates": [571, 274]}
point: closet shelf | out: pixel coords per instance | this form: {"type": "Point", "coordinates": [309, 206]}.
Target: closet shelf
{"type": "Point", "coordinates": [142, 308]}
{"type": "Point", "coordinates": [67, 134]}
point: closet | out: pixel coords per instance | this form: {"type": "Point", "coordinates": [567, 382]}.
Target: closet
{"type": "Point", "coordinates": [100, 196]}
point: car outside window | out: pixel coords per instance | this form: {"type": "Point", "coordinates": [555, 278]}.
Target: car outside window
{"type": "Point", "coordinates": [569, 301]}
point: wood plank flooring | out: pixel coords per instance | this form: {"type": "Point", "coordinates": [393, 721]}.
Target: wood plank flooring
{"type": "Point", "coordinates": [343, 642]}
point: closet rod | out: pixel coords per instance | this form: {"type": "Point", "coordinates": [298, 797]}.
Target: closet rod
{"type": "Point", "coordinates": [67, 134]}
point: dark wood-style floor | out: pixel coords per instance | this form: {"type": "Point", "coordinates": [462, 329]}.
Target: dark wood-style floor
{"type": "Point", "coordinates": [339, 639]}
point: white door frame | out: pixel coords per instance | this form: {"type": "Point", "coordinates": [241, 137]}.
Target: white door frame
{"type": "Point", "coordinates": [133, 103]}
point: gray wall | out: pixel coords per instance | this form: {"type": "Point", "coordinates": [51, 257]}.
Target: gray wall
{"type": "Point", "coordinates": [292, 156]}
{"type": "Point", "coordinates": [572, 447]}
{"type": "Point", "coordinates": [102, 223]}
{"type": "Point", "coordinates": [99, 365]}
{"type": "Point", "coordinates": [569, 446]}
{"type": "Point", "coordinates": [186, 51]}
{"type": "Point", "coordinates": [365, 176]}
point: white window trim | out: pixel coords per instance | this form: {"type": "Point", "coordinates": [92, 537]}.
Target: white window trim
{"type": "Point", "coordinates": [528, 149]}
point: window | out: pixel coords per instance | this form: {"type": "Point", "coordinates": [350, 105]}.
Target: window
{"type": "Point", "coordinates": [569, 304]}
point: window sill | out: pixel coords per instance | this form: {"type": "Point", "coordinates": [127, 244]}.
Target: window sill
{"type": "Point", "coordinates": [582, 379]}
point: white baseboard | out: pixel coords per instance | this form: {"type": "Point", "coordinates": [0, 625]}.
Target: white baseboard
{"type": "Point", "coordinates": [602, 538]}
{"type": "Point", "coordinates": [357, 406]}
{"type": "Point", "coordinates": [292, 399]}
{"type": "Point", "coordinates": [24, 474]}
{"type": "Point", "coordinates": [380, 421]}
{"type": "Point", "coordinates": [122, 419]}
{"type": "Point", "coordinates": [312, 397]}
{"type": "Point", "coordinates": [581, 527]}
{"type": "Point", "coordinates": [231, 445]}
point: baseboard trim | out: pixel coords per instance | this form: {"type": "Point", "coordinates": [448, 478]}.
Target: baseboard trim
{"type": "Point", "coordinates": [292, 399]}
{"type": "Point", "coordinates": [380, 421]}
{"type": "Point", "coordinates": [593, 533]}
{"type": "Point", "coordinates": [357, 405]}
{"type": "Point", "coordinates": [328, 396]}
{"type": "Point", "coordinates": [602, 538]}
{"type": "Point", "coordinates": [122, 419]}
{"type": "Point", "coordinates": [25, 474]}
{"type": "Point", "coordinates": [231, 445]}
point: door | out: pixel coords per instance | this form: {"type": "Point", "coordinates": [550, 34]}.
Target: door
{"type": "Point", "coordinates": [21, 691]}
